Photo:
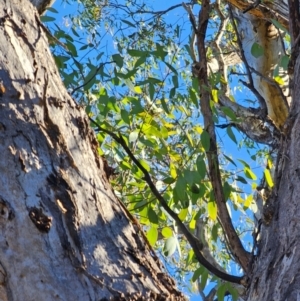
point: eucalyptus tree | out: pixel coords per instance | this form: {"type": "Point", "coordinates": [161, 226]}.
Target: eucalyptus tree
{"type": "Point", "coordinates": [164, 102]}
{"type": "Point", "coordinates": [159, 101]}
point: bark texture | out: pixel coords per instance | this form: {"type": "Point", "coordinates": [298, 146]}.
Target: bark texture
{"type": "Point", "coordinates": [275, 272]}
{"type": "Point", "coordinates": [254, 30]}
{"type": "Point", "coordinates": [276, 275]}
{"type": "Point", "coordinates": [64, 234]}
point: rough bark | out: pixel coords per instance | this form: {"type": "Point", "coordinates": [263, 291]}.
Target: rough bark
{"type": "Point", "coordinates": [275, 272]}
{"type": "Point", "coordinates": [64, 234]}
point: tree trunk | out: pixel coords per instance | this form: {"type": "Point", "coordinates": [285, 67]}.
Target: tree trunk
{"type": "Point", "coordinates": [275, 273]}
{"type": "Point", "coordinates": [64, 234]}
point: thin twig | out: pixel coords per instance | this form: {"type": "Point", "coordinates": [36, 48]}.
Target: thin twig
{"type": "Point", "coordinates": [92, 77]}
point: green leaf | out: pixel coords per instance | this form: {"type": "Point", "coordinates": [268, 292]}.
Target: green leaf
{"type": "Point", "coordinates": [171, 68]}
{"type": "Point", "coordinates": [151, 90]}
{"type": "Point", "coordinates": [201, 167]}
{"type": "Point", "coordinates": [60, 60]}
{"type": "Point", "coordinates": [241, 179]}
{"type": "Point", "coordinates": [172, 93]}
{"type": "Point", "coordinates": [138, 90]}
{"type": "Point", "coordinates": [180, 188]}
{"type": "Point", "coordinates": [167, 232]}
{"type": "Point", "coordinates": [153, 218]}
{"type": "Point", "coordinates": [125, 165]}
{"type": "Point", "coordinates": [214, 93]}
{"type": "Point", "coordinates": [244, 163]}
{"type": "Point", "coordinates": [231, 134]}
{"type": "Point", "coordinates": [221, 291]}
{"type": "Point", "coordinates": [170, 246]}
{"type": "Point", "coordinates": [268, 177]}
{"type": "Point", "coordinates": [52, 9]}
{"type": "Point", "coordinates": [152, 236]}
{"type": "Point", "coordinates": [47, 19]}
{"type": "Point", "coordinates": [71, 48]}
{"type": "Point", "coordinates": [278, 25]}
{"type": "Point", "coordinates": [137, 53]}
{"type": "Point", "coordinates": [159, 52]}
{"type": "Point", "coordinates": [175, 81]}
{"type": "Point", "coordinates": [233, 291]}
{"type": "Point", "coordinates": [145, 164]}
{"type": "Point", "coordinates": [205, 140]}
{"type": "Point", "coordinates": [230, 160]}
{"type": "Point", "coordinates": [194, 97]}
{"type": "Point", "coordinates": [279, 80]}
{"type": "Point", "coordinates": [284, 62]}
{"type": "Point", "coordinates": [140, 61]}
{"type": "Point", "coordinates": [118, 59]}
{"type": "Point", "coordinates": [214, 232]}
{"type": "Point", "coordinates": [228, 112]}
{"type": "Point", "coordinates": [191, 177]}
{"type": "Point", "coordinates": [168, 180]}
{"type": "Point", "coordinates": [173, 172]}
{"type": "Point", "coordinates": [249, 174]}
{"type": "Point", "coordinates": [183, 214]}
{"type": "Point", "coordinates": [226, 190]}
{"type": "Point", "coordinates": [197, 273]}
{"type": "Point", "coordinates": [73, 30]}
{"type": "Point", "coordinates": [212, 210]}
{"type": "Point", "coordinates": [204, 278]}
{"type": "Point", "coordinates": [128, 23]}
{"type": "Point", "coordinates": [257, 50]}
{"type": "Point", "coordinates": [189, 258]}
{"type": "Point", "coordinates": [164, 105]}
{"type": "Point", "coordinates": [125, 116]}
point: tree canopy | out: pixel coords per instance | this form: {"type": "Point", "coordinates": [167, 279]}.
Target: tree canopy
{"type": "Point", "coordinates": [188, 102]}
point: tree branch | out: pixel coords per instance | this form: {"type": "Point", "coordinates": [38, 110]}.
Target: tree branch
{"type": "Point", "coordinates": [252, 123]}
{"type": "Point", "coordinates": [193, 241]}
{"type": "Point", "coordinates": [235, 244]}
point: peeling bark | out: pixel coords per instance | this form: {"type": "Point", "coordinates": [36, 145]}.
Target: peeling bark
{"type": "Point", "coordinates": [275, 274]}
{"type": "Point", "coordinates": [64, 234]}
{"type": "Point", "coordinates": [275, 271]}
{"type": "Point", "coordinates": [276, 9]}
{"type": "Point", "coordinates": [253, 30]}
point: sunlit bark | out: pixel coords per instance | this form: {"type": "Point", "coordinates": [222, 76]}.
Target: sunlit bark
{"type": "Point", "coordinates": [64, 234]}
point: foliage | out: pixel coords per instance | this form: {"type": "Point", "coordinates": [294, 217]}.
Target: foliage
{"type": "Point", "coordinates": [131, 66]}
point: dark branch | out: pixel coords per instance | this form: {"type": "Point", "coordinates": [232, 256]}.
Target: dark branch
{"type": "Point", "coordinates": [252, 6]}
{"type": "Point", "coordinates": [92, 77]}
{"type": "Point", "coordinates": [194, 242]}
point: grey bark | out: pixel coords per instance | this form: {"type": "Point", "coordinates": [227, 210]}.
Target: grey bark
{"type": "Point", "coordinates": [64, 234]}
{"type": "Point", "coordinates": [275, 274]}
{"type": "Point", "coordinates": [275, 271]}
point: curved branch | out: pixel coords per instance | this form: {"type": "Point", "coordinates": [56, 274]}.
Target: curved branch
{"type": "Point", "coordinates": [193, 241]}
